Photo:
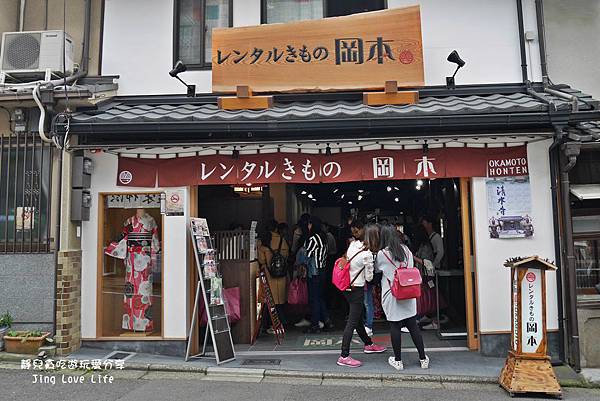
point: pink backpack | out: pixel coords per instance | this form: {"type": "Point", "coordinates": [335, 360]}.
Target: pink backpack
{"type": "Point", "coordinates": [341, 272]}
{"type": "Point", "coordinates": [407, 281]}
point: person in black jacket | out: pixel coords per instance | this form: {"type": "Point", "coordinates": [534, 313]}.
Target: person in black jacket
{"type": "Point", "coordinates": [316, 252]}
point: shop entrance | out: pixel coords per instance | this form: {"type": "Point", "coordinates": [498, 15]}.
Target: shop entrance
{"type": "Point", "coordinates": [403, 203]}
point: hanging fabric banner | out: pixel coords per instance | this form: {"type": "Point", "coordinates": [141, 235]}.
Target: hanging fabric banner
{"type": "Point", "coordinates": [321, 168]}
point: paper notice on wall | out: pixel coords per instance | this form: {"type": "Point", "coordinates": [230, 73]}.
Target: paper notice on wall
{"type": "Point", "coordinates": [509, 207]}
{"type": "Point", "coordinates": [174, 202]}
{"type": "Point", "coordinates": [253, 240]}
{"type": "Point", "coordinates": [25, 218]}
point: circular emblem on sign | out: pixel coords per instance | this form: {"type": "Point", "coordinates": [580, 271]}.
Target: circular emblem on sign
{"type": "Point", "coordinates": [125, 177]}
{"type": "Point", "coordinates": [530, 277]}
{"type": "Point", "coordinates": [174, 198]}
{"type": "Point", "coordinates": [406, 57]}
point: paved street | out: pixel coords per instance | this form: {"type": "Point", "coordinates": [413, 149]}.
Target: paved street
{"type": "Point", "coordinates": [147, 386]}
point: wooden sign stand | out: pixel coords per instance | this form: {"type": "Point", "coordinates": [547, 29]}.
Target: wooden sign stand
{"type": "Point", "coordinates": [269, 305]}
{"type": "Point", "coordinates": [527, 368]}
{"type": "Point", "coordinates": [244, 100]}
{"type": "Point", "coordinates": [390, 96]}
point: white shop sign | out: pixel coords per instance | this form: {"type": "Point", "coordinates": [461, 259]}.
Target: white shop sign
{"type": "Point", "coordinates": [532, 333]}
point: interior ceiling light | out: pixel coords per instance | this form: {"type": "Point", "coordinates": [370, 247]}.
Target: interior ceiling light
{"type": "Point", "coordinates": [419, 182]}
{"type": "Point", "coordinates": [349, 202]}
{"type": "Point", "coordinates": [314, 199]}
{"type": "Point", "coordinates": [397, 189]}
{"type": "Point", "coordinates": [310, 196]}
{"type": "Point", "coordinates": [360, 197]}
{"type": "Point", "coordinates": [360, 191]}
{"type": "Point", "coordinates": [335, 190]}
{"type": "Point", "coordinates": [342, 197]}
{"type": "Point", "coordinates": [418, 187]}
{"type": "Point", "coordinates": [396, 200]}
{"type": "Point", "coordinates": [303, 193]}
{"type": "Point", "coordinates": [389, 189]}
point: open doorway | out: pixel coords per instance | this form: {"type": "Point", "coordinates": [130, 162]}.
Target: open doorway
{"type": "Point", "coordinates": [401, 203]}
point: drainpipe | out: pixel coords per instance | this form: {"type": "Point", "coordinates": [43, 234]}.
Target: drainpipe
{"type": "Point", "coordinates": [568, 158]}
{"type": "Point", "coordinates": [522, 41]}
{"type": "Point", "coordinates": [22, 15]}
{"type": "Point", "coordinates": [554, 168]}
{"type": "Point", "coordinates": [541, 31]}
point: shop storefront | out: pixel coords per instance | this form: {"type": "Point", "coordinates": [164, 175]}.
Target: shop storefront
{"type": "Point", "coordinates": [489, 143]}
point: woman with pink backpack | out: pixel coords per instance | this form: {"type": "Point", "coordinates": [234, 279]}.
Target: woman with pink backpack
{"type": "Point", "coordinates": [399, 290]}
{"type": "Point", "coordinates": [358, 262]}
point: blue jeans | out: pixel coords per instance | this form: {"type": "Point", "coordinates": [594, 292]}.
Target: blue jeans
{"type": "Point", "coordinates": [368, 301]}
{"type": "Point", "coordinates": [318, 309]}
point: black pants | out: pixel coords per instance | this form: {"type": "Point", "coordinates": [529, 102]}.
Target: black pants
{"type": "Point", "coordinates": [415, 334]}
{"type": "Point", "coordinates": [355, 319]}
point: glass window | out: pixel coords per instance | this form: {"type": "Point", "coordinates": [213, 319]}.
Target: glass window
{"type": "Point", "coordinates": [131, 297]}
{"type": "Point", "coordinates": [195, 22]}
{"type": "Point", "coordinates": [292, 10]}
{"type": "Point", "coordinates": [587, 253]}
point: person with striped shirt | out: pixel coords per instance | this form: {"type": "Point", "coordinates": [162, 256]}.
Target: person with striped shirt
{"type": "Point", "coordinates": [316, 252]}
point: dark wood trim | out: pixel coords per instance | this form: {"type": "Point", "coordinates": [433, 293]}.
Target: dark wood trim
{"type": "Point", "coordinates": [101, 45]}
{"type": "Point", "coordinates": [202, 65]}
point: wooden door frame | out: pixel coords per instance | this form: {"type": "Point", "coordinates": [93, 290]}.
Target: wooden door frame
{"type": "Point", "coordinates": [99, 277]}
{"type": "Point", "coordinates": [468, 261]}
{"type": "Point", "coordinates": [192, 274]}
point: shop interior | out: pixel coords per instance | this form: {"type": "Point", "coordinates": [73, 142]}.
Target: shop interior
{"type": "Point", "coordinates": [230, 210]}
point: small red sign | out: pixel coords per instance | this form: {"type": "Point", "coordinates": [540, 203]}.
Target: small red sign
{"type": "Point", "coordinates": [175, 198]}
{"type": "Point", "coordinates": [530, 277]}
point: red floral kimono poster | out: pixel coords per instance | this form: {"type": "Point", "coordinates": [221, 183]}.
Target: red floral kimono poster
{"type": "Point", "coordinates": [138, 246]}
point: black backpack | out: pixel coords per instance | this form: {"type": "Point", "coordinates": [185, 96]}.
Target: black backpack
{"type": "Point", "coordinates": [278, 266]}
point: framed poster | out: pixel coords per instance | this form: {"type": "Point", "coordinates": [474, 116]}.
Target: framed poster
{"type": "Point", "coordinates": [509, 208]}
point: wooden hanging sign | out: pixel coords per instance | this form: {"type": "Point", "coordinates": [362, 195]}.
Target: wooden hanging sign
{"type": "Point", "coordinates": [359, 51]}
{"type": "Point", "coordinates": [527, 368]}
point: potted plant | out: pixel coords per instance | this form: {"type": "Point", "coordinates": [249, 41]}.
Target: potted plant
{"type": "Point", "coordinates": [24, 341]}
{"type": "Point", "coordinates": [6, 321]}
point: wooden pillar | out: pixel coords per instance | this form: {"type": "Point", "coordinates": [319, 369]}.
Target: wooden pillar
{"type": "Point", "coordinates": [465, 214]}
{"type": "Point", "coordinates": [192, 272]}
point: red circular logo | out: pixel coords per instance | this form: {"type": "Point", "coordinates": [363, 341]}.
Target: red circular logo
{"type": "Point", "coordinates": [175, 198]}
{"type": "Point", "coordinates": [406, 57]}
{"type": "Point", "coordinates": [125, 177]}
{"type": "Point", "coordinates": [530, 277]}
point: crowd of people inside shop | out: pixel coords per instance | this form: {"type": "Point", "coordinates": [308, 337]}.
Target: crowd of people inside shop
{"type": "Point", "coordinates": [309, 252]}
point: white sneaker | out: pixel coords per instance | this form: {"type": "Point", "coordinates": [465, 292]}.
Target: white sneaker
{"type": "Point", "coordinates": [369, 331]}
{"type": "Point", "coordinates": [303, 323]}
{"type": "Point", "coordinates": [431, 326]}
{"type": "Point", "coordinates": [398, 365]}
{"type": "Point", "coordinates": [270, 331]}
{"type": "Point", "coordinates": [424, 362]}
{"type": "Point", "coordinates": [321, 324]}
{"type": "Point", "coordinates": [404, 329]}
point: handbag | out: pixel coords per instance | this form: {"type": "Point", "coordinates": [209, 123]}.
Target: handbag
{"type": "Point", "coordinates": [407, 281]}
{"type": "Point", "coordinates": [298, 292]}
{"type": "Point", "coordinates": [232, 306]}
{"type": "Point", "coordinates": [340, 276]}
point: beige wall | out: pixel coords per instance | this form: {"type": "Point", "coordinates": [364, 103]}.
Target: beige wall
{"type": "Point", "coordinates": [35, 20]}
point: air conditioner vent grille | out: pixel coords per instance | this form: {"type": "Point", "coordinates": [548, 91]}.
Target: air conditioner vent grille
{"type": "Point", "coordinates": [22, 51]}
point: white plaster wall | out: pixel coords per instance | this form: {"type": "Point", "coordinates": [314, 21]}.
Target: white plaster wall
{"type": "Point", "coordinates": [493, 279]}
{"type": "Point", "coordinates": [174, 248]}
{"type": "Point", "coordinates": [138, 45]}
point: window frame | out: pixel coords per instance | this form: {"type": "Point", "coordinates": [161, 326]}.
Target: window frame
{"type": "Point", "coordinates": [203, 65]}
{"type": "Point", "coordinates": [263, 10]}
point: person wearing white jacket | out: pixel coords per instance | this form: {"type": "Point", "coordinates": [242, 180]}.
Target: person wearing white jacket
{"type": "Point", "coordinates": [360, 255]}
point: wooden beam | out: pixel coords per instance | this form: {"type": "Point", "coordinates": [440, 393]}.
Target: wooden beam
{"type": "Point", "coordinates": [240, 103]}
{"type": "Point", "coordinates": [472, 341]}
{"type": "Point", "coordinates": [383, 98]}
{"type": "Point", "coordinates": [243, 91]}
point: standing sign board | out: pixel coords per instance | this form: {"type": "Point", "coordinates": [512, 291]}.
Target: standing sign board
{"type": "Point", "coordinates": [527, 368]}
{"type": "Point", "coordinates": [269, 305]}
{"type": "Point", "coordinates": [360, 51]}
{"type": "Point", "coordinates": [209, 291]}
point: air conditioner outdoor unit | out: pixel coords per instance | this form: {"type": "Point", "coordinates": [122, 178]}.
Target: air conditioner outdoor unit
{"type": "Point", "coordinates": [36, 52]}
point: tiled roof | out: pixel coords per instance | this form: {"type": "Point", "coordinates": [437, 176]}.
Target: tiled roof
{"type": "Point", "coordinates": [588, 131]}
{"type": "Point", "coordinates": [127, 112]}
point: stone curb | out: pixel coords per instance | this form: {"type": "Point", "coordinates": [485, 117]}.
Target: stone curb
{"type": "Point", "coordinates": [217, 371]}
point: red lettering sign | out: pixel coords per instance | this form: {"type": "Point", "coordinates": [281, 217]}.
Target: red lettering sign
{"type": "Point", "coordinates": [320, 168]}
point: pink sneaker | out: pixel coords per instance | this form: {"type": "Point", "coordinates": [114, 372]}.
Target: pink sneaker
{"type": "Point", "coordinates": [374, 349]}
{"type": "Point", "coordinates": [348, 362]}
